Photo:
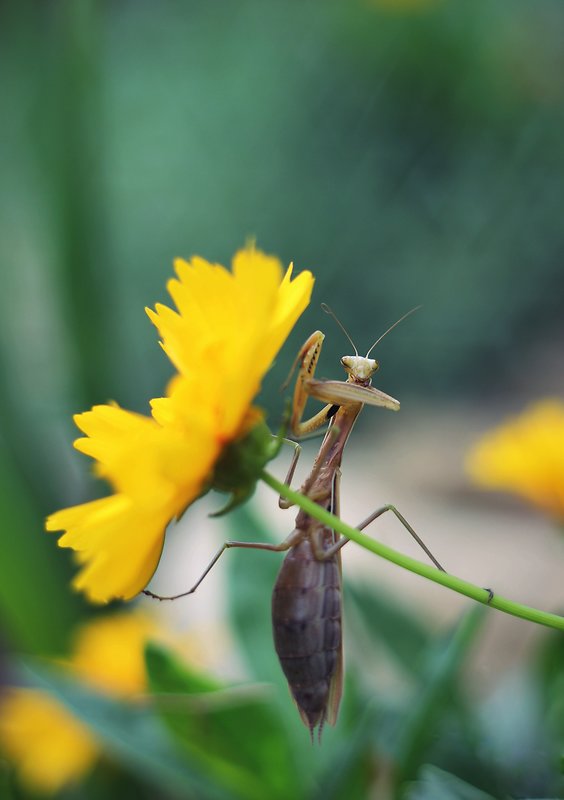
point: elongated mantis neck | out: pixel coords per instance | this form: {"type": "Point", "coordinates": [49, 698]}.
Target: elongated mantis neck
{"type": "Point", "coordinates": [406, 562]}
{"type": "Point", "coordinates": [331, 451]}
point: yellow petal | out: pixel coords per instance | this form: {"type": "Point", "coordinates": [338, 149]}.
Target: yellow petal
{"type": "Point", "coordinates": [47, 745]}
{"type": "Point", "coordinates": [117, 543]}
{"type": "Point", "coordinates": [140, 458]}
{"type": "Point", "coordinates": [230, 326]}
{"type": "Point", "coordinates": [119, 539]}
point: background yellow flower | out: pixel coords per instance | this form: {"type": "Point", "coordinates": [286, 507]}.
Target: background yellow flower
{"type": "Point", "coordinates": [49, 747]}
{"type": "Point", "coordinates": [525, 456]}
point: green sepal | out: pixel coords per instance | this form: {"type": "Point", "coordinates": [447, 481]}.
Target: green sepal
{"type": "Point", "coordinates": [237, 498]}
{"type": "Point", "coordinates": [241, 464]}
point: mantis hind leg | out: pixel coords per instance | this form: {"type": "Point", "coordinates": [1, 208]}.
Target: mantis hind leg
{"type": "Point", "coordinates": [420, 542]}
{"type": "Point", "coordinates": [406, 525]}
{"type": "Point", "coordinates": [276, 548]}
{"type": "Point", "coordinates": [330, 552]}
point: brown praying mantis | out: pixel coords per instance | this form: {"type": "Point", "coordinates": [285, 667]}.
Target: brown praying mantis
{"type": "Point", "coordinates": [306, 601]}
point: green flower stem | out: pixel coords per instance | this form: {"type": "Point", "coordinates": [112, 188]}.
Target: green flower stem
{"type": "Point", "coordinates": [425, 570]}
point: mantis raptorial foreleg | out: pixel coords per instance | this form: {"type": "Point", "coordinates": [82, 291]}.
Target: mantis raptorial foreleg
{"type": "Point", "coordinates": [307, 358]}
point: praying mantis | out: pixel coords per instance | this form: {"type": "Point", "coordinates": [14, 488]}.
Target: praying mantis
{"type": "Point", "coordinates": [306, 600]}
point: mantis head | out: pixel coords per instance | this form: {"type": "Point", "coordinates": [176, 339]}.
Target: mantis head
{"type": "Point", "coordinates": [360, 369]}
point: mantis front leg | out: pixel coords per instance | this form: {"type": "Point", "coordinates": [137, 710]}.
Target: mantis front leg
{"type": "Point", "coordinates": [282, 502]}
{"type": "Point", "coordinates": [307, 358]}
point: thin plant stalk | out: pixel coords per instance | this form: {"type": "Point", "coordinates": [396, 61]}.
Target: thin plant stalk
{"type": "Point", "coordinates": [428, 571]}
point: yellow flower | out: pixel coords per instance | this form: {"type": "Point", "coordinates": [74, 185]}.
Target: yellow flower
{"type": "Point", "coordinates": [525, 456]}
{"type": "Point", "coordinates": [48, 745]}
{"type": "Point", "coordinates": [109, 652]}
{"type": "Point", "coordinates": [228, 328]}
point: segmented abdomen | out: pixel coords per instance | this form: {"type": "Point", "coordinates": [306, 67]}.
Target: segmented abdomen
{"type": "Point", "coordinates": [306, 620]}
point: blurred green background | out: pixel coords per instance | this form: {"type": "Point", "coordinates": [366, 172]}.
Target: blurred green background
{"type": "Point", "coordinates": [406, 152]}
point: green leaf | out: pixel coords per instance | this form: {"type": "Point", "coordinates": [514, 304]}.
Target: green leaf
{"type": "Point", "coordinates": [388, 623]}
{"type": "Point", "coordinates": [31, 569]}
{"type": "Point", "coordinates": [436, 784]}
{"type": "Point", "coordinates": [549, 676]}
{"type": "Point", "coordinates": [234, 734]}
{"type": "Point", "coordinates": [349, 768]}
{"type": "Point", "coordinates": [430, 703]}
{"type": "Point", "coordinates": [252, 574]}
{"type": "Point", "coordinates": [251, 579]}
{"type": "Point", "coordinates": [167, 673]}
{"type": "Point", "coordinates": [129, 732]}
{"type": "Point", "coordinates": [516, 737]}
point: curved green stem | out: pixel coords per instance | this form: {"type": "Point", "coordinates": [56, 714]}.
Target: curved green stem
{"type": "Point", "coordinates": [425, 570]}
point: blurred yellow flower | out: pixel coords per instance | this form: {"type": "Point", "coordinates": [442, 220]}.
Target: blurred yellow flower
{"type": "Point", "coordinates": [228, 328]}
{"type": "Point", "coordinates": [49, 747]}
{"type": "Point", "coordinates": [525, 456]}
{"type": "Point", "coordinates": [46, 744]}
{"type": "Point", "coordinates": [108, 653]}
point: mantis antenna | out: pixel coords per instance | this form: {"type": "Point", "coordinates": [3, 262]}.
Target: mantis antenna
{"type": "Point", "coordinates": [397, 322]}
{"type": "Point", "coordinates": [331, 313]}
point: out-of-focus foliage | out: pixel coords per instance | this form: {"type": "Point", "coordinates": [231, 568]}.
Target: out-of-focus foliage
{"type": "Point", "coordinates": [405, 152]}
{"type": "Point", "coordinates": [199, 737]}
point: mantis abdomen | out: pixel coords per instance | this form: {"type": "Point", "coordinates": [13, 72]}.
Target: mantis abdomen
{"type": "Point", "coordinates": [306, 620]}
